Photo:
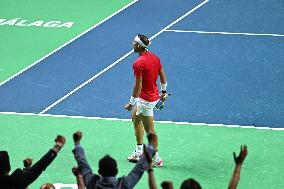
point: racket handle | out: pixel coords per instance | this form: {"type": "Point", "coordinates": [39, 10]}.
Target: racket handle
{"type": "Point", "coordinates": [159, 105]}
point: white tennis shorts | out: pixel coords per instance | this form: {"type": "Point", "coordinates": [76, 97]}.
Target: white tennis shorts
{"type": "Point", "coordinates": [145, 107]}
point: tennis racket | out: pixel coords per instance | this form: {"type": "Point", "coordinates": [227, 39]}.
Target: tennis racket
{"type": "Point", "coordinates": [160, 104]}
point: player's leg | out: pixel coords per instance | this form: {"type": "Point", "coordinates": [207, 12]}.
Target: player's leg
{"type": "Point", "coordinates": [138, 127]}
{"type": "Point", "coordinates": [148, 123]}
{"type": "Point", "coordinates": [139, 132]}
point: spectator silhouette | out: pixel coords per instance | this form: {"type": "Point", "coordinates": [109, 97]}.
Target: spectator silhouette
{"type": "Point", "coordinates": [108, 168]}
{"type": "Point", "coordinates": [20, 179]}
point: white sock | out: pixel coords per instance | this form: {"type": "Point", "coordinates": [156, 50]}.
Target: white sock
{"type": "Point", "coordinates": [139, 147]}
{"type": "Point", "coordinates": [156, 157]}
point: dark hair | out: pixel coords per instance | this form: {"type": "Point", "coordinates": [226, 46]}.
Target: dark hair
{"type": "Point", "coordinates": [167, 185]}
{"type": "Point", "coordinates": [144, 39]}
{"type": "Point", "coordinates": [47, 186]}
{"type": "Point", "coordinates": [190, 184]}
{"type": "Point", "coordinates": [107, 166]}
{"type": "Point", "coordinates": [4, 163]}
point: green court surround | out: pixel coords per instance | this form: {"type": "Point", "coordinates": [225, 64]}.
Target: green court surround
{"type": "Point", "coordinates": [21, 46]}
{"type": "Point", "coordinates": [201, 152]}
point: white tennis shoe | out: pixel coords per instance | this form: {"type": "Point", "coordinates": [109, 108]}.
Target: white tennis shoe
{"type": "Point", "coordinates": [158, 162]}
{"type": "Point", "coordinates": [135, 156]}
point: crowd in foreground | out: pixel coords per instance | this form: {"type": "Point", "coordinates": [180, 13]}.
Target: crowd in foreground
{"type": "Point", "coordinates": [107, 173]}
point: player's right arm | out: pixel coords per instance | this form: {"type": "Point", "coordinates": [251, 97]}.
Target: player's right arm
{"type": "Point", "coordinates": [137, 87]}
{"type": "Point", "coordinates": [138, 72]}
{"type": "Point", "coordinates": [135, 93]}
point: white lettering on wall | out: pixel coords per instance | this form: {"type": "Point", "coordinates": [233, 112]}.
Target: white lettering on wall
{"type": "Point", "coordinates": [37, 23]}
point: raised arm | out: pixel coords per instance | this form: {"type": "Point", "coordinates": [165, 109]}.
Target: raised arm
{"type": "Point", "coordinates": [83, 164]}
{"type": "Point", "coordinates": [32, 173]}
{"type": "Point", "coordinates": [79, 177]}
{"type": "Point", "coordinates": [237, 171]}
{"type": "Point", "coordinates": [150, 170]}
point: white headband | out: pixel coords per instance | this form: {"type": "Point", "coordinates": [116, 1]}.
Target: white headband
{"type": "Point", "coordinates": [138, 40]}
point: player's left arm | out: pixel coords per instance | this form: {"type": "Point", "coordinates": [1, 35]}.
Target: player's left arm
{"type": "Point", "coordinates": [163, 81]}
{"type": "Point", "coordinates": [162, 76]}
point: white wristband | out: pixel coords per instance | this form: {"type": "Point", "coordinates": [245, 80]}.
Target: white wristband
{"type": "Point", "coordinates": [132, 100]}
{"type": "Point", "coordinates": [163, 87]}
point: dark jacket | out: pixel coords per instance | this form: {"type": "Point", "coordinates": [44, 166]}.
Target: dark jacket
{"type": "Point", "coordinates": [20, 179]}
{"type": "Point", "coordinates": [93, 181]}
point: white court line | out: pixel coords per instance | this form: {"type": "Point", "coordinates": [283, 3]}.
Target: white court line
{"type": "Point", "coordinates": [227, 33]}
{"type": "Point", "coordinates": [120, 59]}
{"type": "Point", "coordinates": [65, 44]}
{"type": "Point", "coordinates": [85, 83]}
{"type": "Point", "coordinates": [129, 120]}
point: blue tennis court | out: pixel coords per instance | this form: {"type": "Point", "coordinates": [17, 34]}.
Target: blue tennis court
{"type": "Point", "coordinates": [223, 61]}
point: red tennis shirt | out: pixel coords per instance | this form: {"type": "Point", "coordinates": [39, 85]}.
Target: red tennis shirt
{"type": "Point", "coordinates": [148, 66]}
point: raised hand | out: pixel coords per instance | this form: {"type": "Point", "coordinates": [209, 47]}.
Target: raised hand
{"type": "Point", "coordinates": [60, 139]}
{"type": "Point", "coordinates": [242, 155]}
{"type": "Point", "coordinates": [76, 171]}
{"type": "Point", "coordinates": [28, 162]}
{"type": "Point", "coordinates": [77, 136]}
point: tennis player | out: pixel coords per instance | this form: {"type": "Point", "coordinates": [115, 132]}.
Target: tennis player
{"type": "Point", "coordinates": [145, 95]}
